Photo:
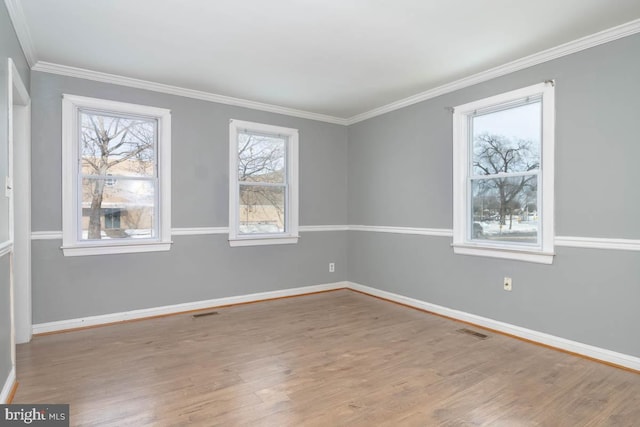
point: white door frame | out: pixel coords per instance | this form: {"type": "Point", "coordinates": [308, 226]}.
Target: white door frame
{"type": "Point", "coordinates": [19, 119]}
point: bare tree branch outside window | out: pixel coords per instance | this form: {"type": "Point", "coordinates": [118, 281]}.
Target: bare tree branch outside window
{"type": "Point", "coordinates": [493, 155]}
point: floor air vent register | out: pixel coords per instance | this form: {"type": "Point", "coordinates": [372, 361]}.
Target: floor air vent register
{"type": "Point", "coordinates": [473, 333]}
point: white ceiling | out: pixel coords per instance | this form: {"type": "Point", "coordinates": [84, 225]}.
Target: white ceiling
{"type": "Point", "coordinates": [335, 57]}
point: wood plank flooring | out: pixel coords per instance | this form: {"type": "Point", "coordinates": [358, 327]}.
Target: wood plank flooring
{"type": "Point", "coordinates": [332, 359]}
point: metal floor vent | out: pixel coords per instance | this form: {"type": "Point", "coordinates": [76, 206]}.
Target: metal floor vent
{"type": "Point", "coordinates": [473, 333]}
{"type": "Point", "coordinates": [209, 313]}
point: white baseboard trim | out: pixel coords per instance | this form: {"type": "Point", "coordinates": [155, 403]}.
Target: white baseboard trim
{"type": "Point", "coordinates": [8, 386]}
{"type": "Point", "coordinates": [61, 325]}
{"type": "Point", "coordinates": [590, 351]}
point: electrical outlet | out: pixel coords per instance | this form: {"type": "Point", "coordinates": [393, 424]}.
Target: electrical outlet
{"type": "Point", "coordinates": [507, 283]}
{"type": "Point", "coordinates": [332, 267]}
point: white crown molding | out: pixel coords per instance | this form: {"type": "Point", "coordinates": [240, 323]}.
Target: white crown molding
{"type": "Point", "coordinates": [7, 388]}
{"type": "Point", "coordinates": [598, 243]}
{"type": "Point", "coordinates": [16, 14]}
{"type": "Point", "coordinates": [590, 351]}
{"type": "Point", "coordinates": [81, 73]}
{"type": "Point", "coordinates": [104, 319]}
{"type": "Point", "coordinates": [565, 49]}
{"type": "Point", "coordinates": [438, 232]}
{"type": "Point", "coordinates": [24, 36]}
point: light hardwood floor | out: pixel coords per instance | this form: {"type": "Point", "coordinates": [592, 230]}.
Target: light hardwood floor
{"type": "Point", "coordinates": [332, 359]}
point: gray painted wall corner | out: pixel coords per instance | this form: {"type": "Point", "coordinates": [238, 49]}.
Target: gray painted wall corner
{"type": "Point", "coordinates": [587, 295]}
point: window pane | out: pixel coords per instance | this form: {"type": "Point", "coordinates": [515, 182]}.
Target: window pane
{"type": "Point", "coordinates": [121, 210]}
{"type": "Point", "coordinates": [505, 209]}
{"type": "Point", "coordinates": [261, 209]}
{"type": "Point", "coordinates": [261, 158]}
{"type": "Point", "coordinates": [507, 140]}
{"type": "Point", "coordinates": [111, 145]}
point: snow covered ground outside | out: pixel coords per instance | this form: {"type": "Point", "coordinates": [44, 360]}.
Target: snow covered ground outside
{"type": "Point", "coordinates": [519, 232]}
{"type": "Point", "coordinates": [493, 228]}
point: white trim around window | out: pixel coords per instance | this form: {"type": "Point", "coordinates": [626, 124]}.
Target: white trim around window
{"type": "Point", "coordinates": [465, 239]}
{"type": "Point", "coordinates": [74, 243]}
{"type": "Point", "coordinates": [269, 227]}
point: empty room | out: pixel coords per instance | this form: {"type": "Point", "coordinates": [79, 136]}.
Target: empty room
{"type": "Point", "coordinates": [320, 213]}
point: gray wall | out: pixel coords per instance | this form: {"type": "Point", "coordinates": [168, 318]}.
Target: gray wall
{"type": "Point", "coordinates": [9, 48]}
{"type": "Point", "coordinates": [400, 174]}
{"type": "Point", "coordinates": [197, 267]}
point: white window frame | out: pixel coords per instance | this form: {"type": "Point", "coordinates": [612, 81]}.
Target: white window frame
{"type": "Point", "coordinates": [290, 235]}
{"type": "Point", "coordinates": [71, 215]}
{"type": "Point", "coordinates": [462, 242]}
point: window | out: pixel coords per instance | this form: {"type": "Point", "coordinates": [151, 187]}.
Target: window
{"type": "Point", "coordinates": [503, 150]}
{"type": "Point", "coordinates": [109, 182]}
{"type": "Point", "coordinates": [116, 177]}
{"type": "Point", "coordinates": [112, 218]}
{"type": "Point", "coordinates": [263, 184]}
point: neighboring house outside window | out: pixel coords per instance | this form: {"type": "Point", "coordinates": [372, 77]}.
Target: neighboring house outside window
{"type": "Point", "coordinates": [503, 175]}
{"type": "Point", "coordinates": [263, 184]}
{"type": "Point", "coordinates": [116, 177]}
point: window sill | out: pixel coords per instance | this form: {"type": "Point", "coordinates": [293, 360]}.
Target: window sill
{"type": "Point", "coordinates": [505, 253]}
{"type": "Point", "coordinates": [85, 250]}
{"type": "Point", "coordinates": [260, 241]}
